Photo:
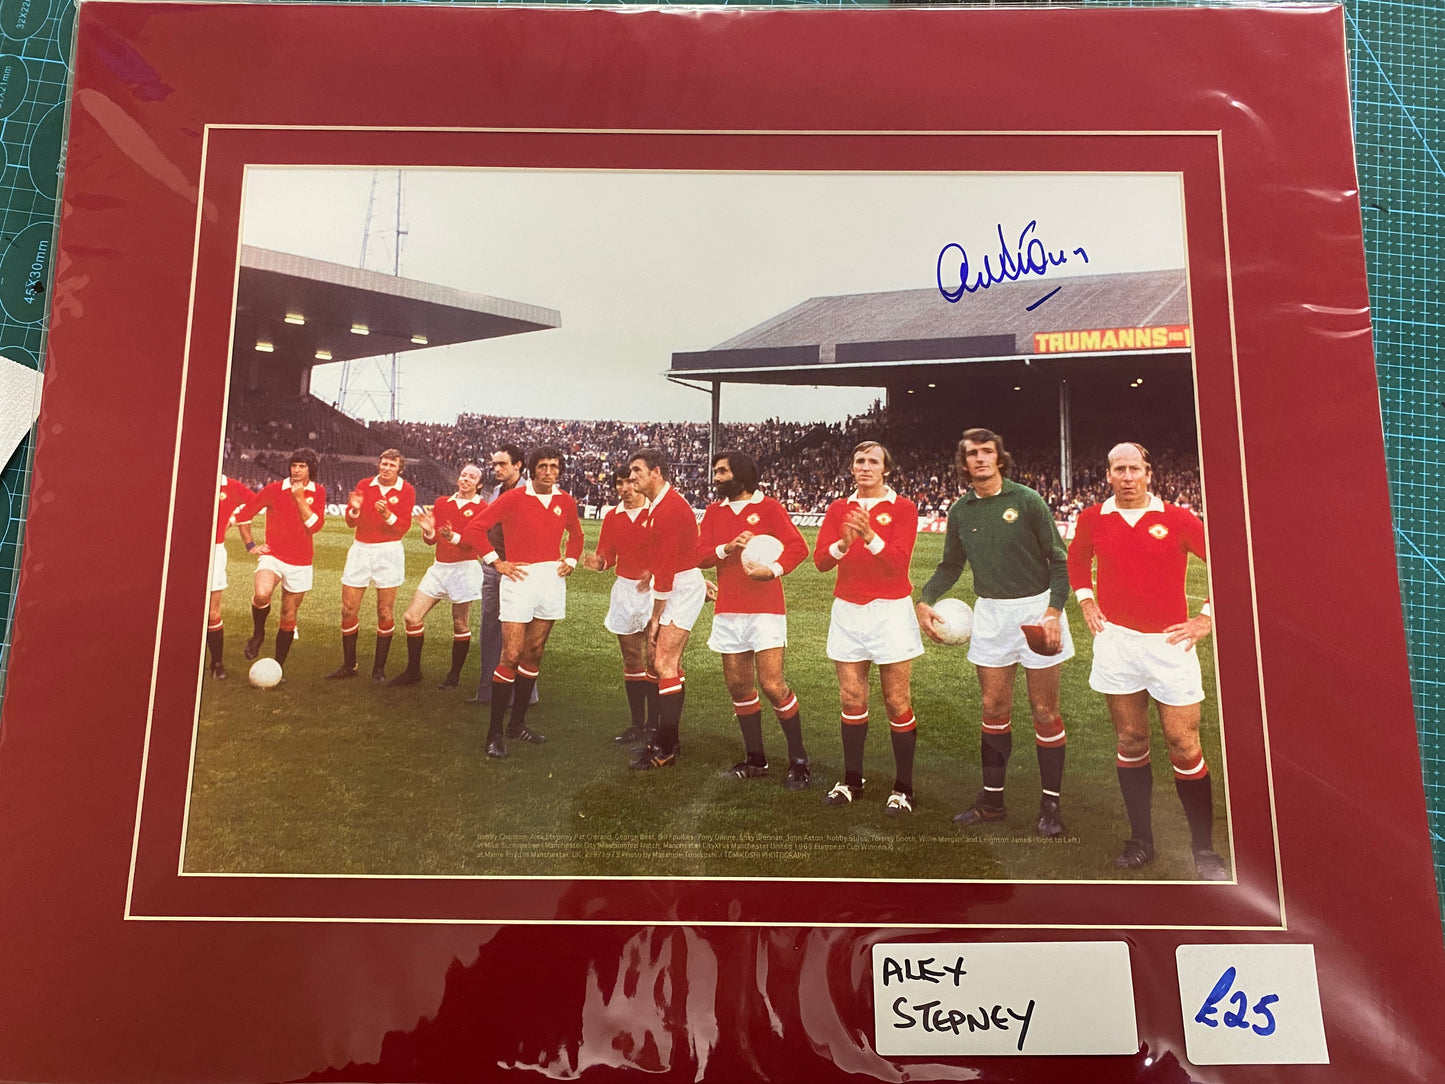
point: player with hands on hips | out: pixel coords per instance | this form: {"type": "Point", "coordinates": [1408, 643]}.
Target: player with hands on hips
{"type": "Point", "coordinates": [1144, 647]}
{"type": "Point", "coordinates": [534, 517]}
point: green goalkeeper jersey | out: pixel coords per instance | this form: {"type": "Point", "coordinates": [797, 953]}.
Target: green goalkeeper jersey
{"type": "Point", "coordinates": [1011, 540]}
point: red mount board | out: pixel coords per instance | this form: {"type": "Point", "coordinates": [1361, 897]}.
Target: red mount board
{"type": "Point", "coordinates": [116, 967]}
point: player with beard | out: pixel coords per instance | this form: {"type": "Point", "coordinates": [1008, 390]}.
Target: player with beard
{"type": "Point", "coordinates": [295, 512]}
{"type": "Point", "coordinates": [533, 517]}
{"type": "Point", "coordinates": [623, 545]}
{"type": "Point", "coordinates": [678, 594]}
{"type": "Point", "coordinates": [454, 576]}
{"type": "Point", "coordinates": [750, 623]}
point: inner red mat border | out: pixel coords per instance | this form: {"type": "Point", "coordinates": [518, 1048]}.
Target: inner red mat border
{"type": "Point", "coordinates": [159, 891]}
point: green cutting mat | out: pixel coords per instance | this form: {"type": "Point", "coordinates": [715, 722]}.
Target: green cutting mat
{"type": "Point", "coordinates": [1397, 54]}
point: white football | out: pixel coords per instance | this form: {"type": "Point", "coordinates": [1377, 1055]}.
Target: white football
{"type": "Point", "coordinates": [956, 624]}
{"type": "Point", "coordinates": [762, 549]}
{"type": "Point", "coordinates": [265, 673]}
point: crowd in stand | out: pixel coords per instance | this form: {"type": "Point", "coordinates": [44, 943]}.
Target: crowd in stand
{"type": "Point", "coordinates": [803, 463]}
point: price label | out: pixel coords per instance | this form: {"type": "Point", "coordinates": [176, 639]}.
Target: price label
{"type": "Point", "coordinates": [1251, 1005]}
{"type": "Point", "coordinates": [1021, 998]}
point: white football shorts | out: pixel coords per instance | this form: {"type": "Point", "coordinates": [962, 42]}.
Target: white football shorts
{"type": "Point", "coordinates": [998, 637]}
{"type": "Point", "coordinates": [374, 564]}
{"type": "Point", "coordinates": [294, 578]}
{"type": "Point", "coordinates": [630, 609]}
{"type": "Point", "coordinates": [734, 634]}
{"type": "Point", "coordinates": [1126, 662]}
{"type": "Point", "coordinates": [457, 581]}
{"type": "Point", "coordinates": [689, 592]}
{"type": "Point", "coordinates": [883, 631]}
{"type": "Point", "coordinates": [542, 594]}
{"type": "Point", "coordinates": [218, 567]}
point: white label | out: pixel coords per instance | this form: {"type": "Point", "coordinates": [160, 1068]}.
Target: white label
{"type": "Point", "coordinates": [1251, 1005]}
{"type": "Point", "coordinates": [1032, 997]}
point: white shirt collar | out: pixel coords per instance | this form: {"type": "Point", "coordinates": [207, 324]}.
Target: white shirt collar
{"type": "Point", "coordinates": [223, 479]}
{"type": "Point", "coordinates": [376, 481]}
{"type": "Point", "coordinates": [1110, 505]}
{"type": "Point", "coordinates": [458, 500]}
{"type": "Point", "coordinates": [887, 497]}
{"type": "Point", "coordinates": [738, 506]}
{"type": "Point", "coordinates": [545, 498]}
{"type": "Point", "coordinates": [660, 494]}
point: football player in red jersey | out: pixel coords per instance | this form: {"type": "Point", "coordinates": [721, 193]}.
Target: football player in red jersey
{"type": "Point", "coordinates": [534, 518]}
{"type": "Point", "coordinates": [379, 510]}
{"type": "Point", "coordinates": [231, 498]}
{"type": "Point", "coordinates": [296, 511]}
{"type": "Point", "coordinates": [623, 545]}
{"type": "Point", "coordinates": [750, 623]}
{"type": "Point", "coordinates": [454, 576]}
{"type": "Point", "coordinates": [678, 594]}
{"type": "Point", "coordinates": [1144, 647]}
{"type": "Point", "coordinates": [868, 537]}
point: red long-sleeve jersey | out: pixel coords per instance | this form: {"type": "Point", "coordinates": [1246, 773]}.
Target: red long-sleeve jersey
{"type": "Point", "coordinates": [624, 541]}
{"type": "Point", "coordinates": [672, 539]}
{"type": "Point", "coordinates": [371, 525]}
{"type": "Point", "coordinates": [1140, 581]}
{"type": "Point", "coordinates": [232, 497]}
{"type": "Point", "coordinates": [866, 576]}
{"type": "Point", "coordinates": [533, 525]}
{"type": "Point", "coordinates": [724, 521]}
{"type": "Point", "coordinates": [288, 536]}
{"type": "Point", "coordinates": [451, 515]}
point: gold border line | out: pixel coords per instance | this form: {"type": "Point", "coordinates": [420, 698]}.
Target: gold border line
{"type": "Point", "coordinates": [129, 914]}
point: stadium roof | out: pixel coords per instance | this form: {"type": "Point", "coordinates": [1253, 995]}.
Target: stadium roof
{"type": "Point", "coordinates": [310, 312]}
{"type": "Point", "coordinates": [898, 336]}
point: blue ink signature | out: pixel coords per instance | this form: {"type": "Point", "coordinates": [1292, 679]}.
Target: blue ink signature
{"type": "Point", "coordinates": [1028, 257]}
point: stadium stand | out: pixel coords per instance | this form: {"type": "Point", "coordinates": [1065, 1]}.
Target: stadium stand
{"type": "Point", "coordinates": [803, 462]}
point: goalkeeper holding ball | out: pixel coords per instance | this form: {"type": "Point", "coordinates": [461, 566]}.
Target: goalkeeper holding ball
{"type": "Point", "coordinates": [1020, 574]}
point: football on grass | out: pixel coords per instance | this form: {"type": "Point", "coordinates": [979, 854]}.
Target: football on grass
{"type": "Point", "coordinates": [762, 549]}
{"type": "Point", "coordinates": [955, 624]}
{"type": "Point", "coordinates": [265, 673]}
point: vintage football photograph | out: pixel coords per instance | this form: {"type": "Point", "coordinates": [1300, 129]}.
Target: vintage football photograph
{"type": "Point", "coordinates": [742, 525]}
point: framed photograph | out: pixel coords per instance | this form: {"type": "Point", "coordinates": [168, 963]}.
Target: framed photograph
{"type": "Point", "coordinates": [1096, 311]}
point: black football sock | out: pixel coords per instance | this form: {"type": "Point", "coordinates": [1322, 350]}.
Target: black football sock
{"type": "Point", "coordinates": [654, 706]}
{"type": "Point", "coordinates": [637, 700]}
{"type": "Point", "coordinates": [1051, 768]}
{"type": "Point", "coordinates": [904, 733]}
{"type": "Point", "coordinates": [258, 620]}
{"type": "Point", "coordinates": [414, 645]}
{"type": "Point", "coordinates": [994, 751]}
{"type": "Point", "coordinates": [383, 649]}
{"type": "Point", "coordinates": [521, 700]}
{"type": "Point", "coordinates": [1197, 795]}
{"type": "Point", "coordinates": [348, 649]}
{"type": "Point", "coordinates": [855, 736]}
{"type": "Point", "coordinates": [792, 728]}
{"type": "Point", "coordinates": [669, 720]}
{"type": "Point", "coordinates": [215, 643]}
{"type": "Point", "coordinates": [751, 725]}
{"type": "Point", "coordinates": [1136, 783]}
{"type": "Point", "coordinates": [461, 647]}
{"type": "Point", "coordinates": [283, 644]}
{"type": "Point", "coordinates": [501, 700]}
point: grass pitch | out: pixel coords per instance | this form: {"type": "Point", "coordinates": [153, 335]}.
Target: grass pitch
{"type": "Point", "coordinates": [326, 777]}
